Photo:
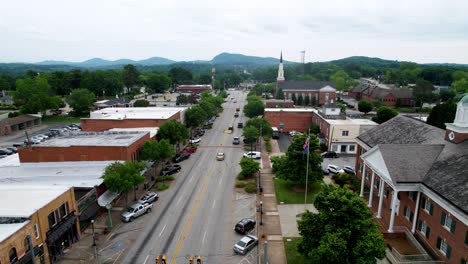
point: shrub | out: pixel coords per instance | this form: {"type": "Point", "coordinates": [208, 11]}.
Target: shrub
{"type": "Point", "coordinates": [241, 176]}
{"type": "Point", "coordinates": [163, 187]}
{"type": "Point", "coordinates": [251, 187]}
{"type": "Point", "coordinates": [323, 147]}
{"type": "Point", "coordinates": [268, 146]}
{"type": "Point", "coordinates": [166, 178]}
{"type": "Point", "coordinates": [240, 184]}
{"type": "Point", "coordinates": [346, 179]}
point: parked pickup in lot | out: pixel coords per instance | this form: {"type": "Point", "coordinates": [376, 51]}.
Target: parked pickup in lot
{"type": "Point", "coordinates": [135, 211]}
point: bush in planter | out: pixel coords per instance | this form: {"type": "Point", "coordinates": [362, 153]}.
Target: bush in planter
{"type": "Point", "coordinates": [240, 184]}
{"type": "Point", "coordinates": [163, 187]}
{"type": "Point", "coordinates": [251, 187]}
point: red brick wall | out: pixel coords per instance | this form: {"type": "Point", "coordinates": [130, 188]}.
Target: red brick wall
{"type": "Point", "coordinates": [389, 100]}
{"type": "Point", "coordinates": [81, 153]}
{"type": "Point", "coordinates": [324, 126]}
{"type": "Point", "coordinates": [106, 124]}
{"type": "Point", "coordinates": [299, 121]}
{"type": "Point", "coordinates": [459, 137]}
{"type": "Point", "coordinates": [282, 104]}
{"type": "Point", "coordinates": [323, 97]}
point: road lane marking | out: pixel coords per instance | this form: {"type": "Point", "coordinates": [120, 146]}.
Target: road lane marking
{"type": "Point", "coordinates": [191, 178]}
{"type": "Point", "coordinates": [214, 203]}
{"type": "Point", "coordinates": [190, 219]}
{"type": "Point", "coordinates": [146, 259]}
{"type": "Point", "coordinates": [204, 235]}
{"type": "Point", "coordinates": [162, 231]}
{"type": "Point", "coordinates": [178, 201]}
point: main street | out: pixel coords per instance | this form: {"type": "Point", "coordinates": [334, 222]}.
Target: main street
{"type": "Point", "coordinates": [196, 216]}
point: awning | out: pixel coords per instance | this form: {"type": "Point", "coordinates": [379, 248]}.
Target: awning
{"type": "Point", "coordinates": [90, 212]}
{"type": "Point", "coordinates": [107, 197]}
{"type": "Point", "coordinates": [61, 228]}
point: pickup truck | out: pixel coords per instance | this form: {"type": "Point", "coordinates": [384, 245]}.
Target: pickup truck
{"type": "Point", "coordinates": [135, 211]}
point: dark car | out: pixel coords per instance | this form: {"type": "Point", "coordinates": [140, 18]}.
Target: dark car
{"type": "Point", "coordinates": [237, 109]}
{"type": "Point", "coordinates": [244, 226]}
{"type": "Point", "coordinates": [12, 149]}
{"type": "Point", "coordinates": [16, 145]}
{"type": "Point", "coordinates": [149, 197]}
{"type": "Point", "coordinates": [240, 125]}
{"type": "Point", "coordinates": [200, 133]}
{"type": "Point", "coordinates": [5, 152]}
{"type": "Point", "coordinates": [330, 154]}
{"type": "Point", "coordinates": [170, 170]}
{"type": "Point", "coordinates": [180, 157]}
{"type": "Point", "coordinates": [236, 114]}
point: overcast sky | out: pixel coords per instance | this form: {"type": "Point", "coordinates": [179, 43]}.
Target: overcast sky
{"type": "Point", "coordinates": [414, 30]}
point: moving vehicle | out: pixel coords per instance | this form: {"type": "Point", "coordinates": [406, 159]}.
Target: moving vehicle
{"type": "Point", "coordinates": [244, 226]}
{"type": "Point", "coordinates": [244, 245]}
{"type": "Point", "coordinates": [349, 170]}
{"type": "Point", "coordinates": [329, 154]}
{"type": "Point", "coordinates": [135, 211]}
{"type": "Point", "coordinates": [236, 141]}
{"type": "Point", "coordinates": [275, 133]}
{"type": "Point", "coordinates": [240, 125]}
{"type": "Point", "coordinates": [149, 197]}
{"type": "Point", "coordinates": [180, 157]}
{"type": "Point", "coordinates": [237, 109]}
{"type": "Point", "coordinates": [173, 169]}
{"type": "Point", "coordinates": [236, 114]}
{"type": "Point", "coordinates": [220, 156]}
{"type": "Point", "coordinates": [333, 169]}
{"type": "Point", "coordinates": [253, 154]}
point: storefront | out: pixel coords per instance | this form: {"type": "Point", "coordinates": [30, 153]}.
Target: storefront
{"type": "Point", "coordinates": [62, 236]}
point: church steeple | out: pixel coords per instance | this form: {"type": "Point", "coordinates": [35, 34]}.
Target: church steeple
{"type": "Point", "coordinates": [280, 70]}
{"type": "Point", "coordinates": [457, 131]}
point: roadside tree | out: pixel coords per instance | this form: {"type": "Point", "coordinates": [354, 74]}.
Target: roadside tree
{"type": "Point", "coordinates": [141, 103]}
{"type": "Point", "coordinates": [130, 76]}
{"type": "Point", "coordinates": [81, 100]}
{"type": "Point", "coordinates": [364, 106]}
{"type": "Point", "coordinates": [122, 177]}
{"type": "Point", "coordinates": [254, 108]}
{"type": "Point", "coordinates": [248, 167]}
{"type": "Point", "coordinates": [33, 95]}
{"type": "Point", "coordinates": [174, 131]}
{"type": "Point", "coordinates": [343, 230]}
{"type": "Point", "coordinates": [442, 113]}
{"type": "Point", "coordinates": [384, 113]}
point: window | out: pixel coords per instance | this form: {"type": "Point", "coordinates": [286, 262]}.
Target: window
{"type": "Point", "coordinates": [448, 222]}
{"type": "Point", "coordinates": [427, 206]}
{"type": "Point", "coordinates": [36, 231]}
{"type": "Point", "coordinates": [408, 213]}
{"type": "Point", "coordinates": [444, 247]}
{"type": "Point", "coordinates": [345, 133]}
{"type": "Point", "coordinates": [352, 148]}
{"type": "Point", "coordinates": [466, 238]}
{"type": "Point", "coordinates": [424, 228]}
{"type": "Point", "coordinates": [52, 219]}
{"type": "Point", "coordinates": [387, 192]}
{"type": "Point", "coordinates": [63, 210]}
{"type": "Point", "coordinates": [360, 166]}
{"type": "Point", "coordinates": [12, 255]}
{"type": "Point", "coordinates": [412, 196]}
{"type": "Point", "coordinates": [376, 183]}
{"type": "Point", "coordinates": [27, 247]}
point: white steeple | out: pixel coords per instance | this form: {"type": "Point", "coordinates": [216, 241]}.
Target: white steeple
{"type": "Point", "coordinates": [280, 70]}
{"type": "Point", "coordinates": [458, 130]}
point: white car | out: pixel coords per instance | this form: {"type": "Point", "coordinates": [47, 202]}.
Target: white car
{"type": "Point", "coordinates": [294, 133]}
{"type": "Point", "coordinates": [333, 169]}
{"type": "Point", "coordinates": [253, 154]}
{"type": "Point", "coordinates": [195, 140]}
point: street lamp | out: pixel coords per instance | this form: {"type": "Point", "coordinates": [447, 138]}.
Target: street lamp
{"type": "Point", "coordinates": [94, 234]}
{"type": "Point", "coordinates": [261, 212]}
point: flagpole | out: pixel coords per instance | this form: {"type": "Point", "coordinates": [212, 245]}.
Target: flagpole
{"type": "Point", "coordinates": [307, 170]}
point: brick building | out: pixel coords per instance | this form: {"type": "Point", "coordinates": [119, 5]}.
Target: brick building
{"type": "Point", "coordinates": [193, 88]}
{"type": "Point", "coordinates": [132, 117]}
{"type": "Point", "coordinates": [19, 123]}
{"type": "Point", "coordinates": [289, 119]}
{"type": "Point", "coordinates": [370, 91]}
{"type": "Point", "coordinates": [319, 92]}
{"type": "Point", "coordinates": [87, 146]}
{"type": "Point", "coordinates": [417, 176]}
{"type": "Point", "coordinates": [36, 219]}
{"type": "Point", "coordinates": [277, 103]}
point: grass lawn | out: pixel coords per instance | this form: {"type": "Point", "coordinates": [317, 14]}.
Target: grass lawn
{"type": "Point", "coordinates": [292, 256]}
{"type": "Point", "coordinates": [292, 193]}
{"type": "Point", "coordinates": [60, 119]}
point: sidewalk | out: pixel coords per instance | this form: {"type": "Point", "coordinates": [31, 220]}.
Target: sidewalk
{"type": "Point", "coordinates": [268, 223]}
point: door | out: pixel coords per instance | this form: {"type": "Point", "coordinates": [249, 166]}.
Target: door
{"type": "Point", "coordinates": [343, 148]}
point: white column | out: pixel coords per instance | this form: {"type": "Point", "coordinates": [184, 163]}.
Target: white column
{"type": "Point", "coordinates": [371, 189]}
{"type": "Point", "coordinates": [416, 210]}
{"type": "Point", "coordinates": [392, 217]}
{"type": "Point", "coordinates": [381, 195]}
{"type": "Point", "coordinates": [363, 178]}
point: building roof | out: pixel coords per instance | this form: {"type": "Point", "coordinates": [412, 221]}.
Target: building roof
{"type": "Point", "coordinates": [290, 110]}
{"type": "Point", "coordinates": [24, 200]}
{"type": "Point", "coordinates": [67, 174]}
{"type": "Point", "coordinates": [98, 139]}
{"type": "Point", "coordinates": [6, 230]}
{"type": "Point", "coordinates": [18, 120]}
{"type": "Point", "coordinates": [121, 113]}
{"type": "Point", "coordinates": [111, 102]}
{"type": "Point", "coordinates": [11, 160]}
{"type": "Point", "coordinates": [152, 130]}
{"type": "Point", "coordinates": [351, 121]}
{"type": "Point", "coordinates": [194, 86]}
{"type": "Point", "coordinates": [403, 130]}
{"type": "Point", "coordinates": [305, 85]}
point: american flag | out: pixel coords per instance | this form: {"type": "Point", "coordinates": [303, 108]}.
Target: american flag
{"type": "Point", "coordinates": [306, 145]}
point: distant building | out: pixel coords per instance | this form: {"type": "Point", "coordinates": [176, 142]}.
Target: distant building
{"type": "Point", "coordinates": [131, 117]}
{"type": "Point", "coordinates": [5, 98]}
{"type": "Point", "coordinates": [279, 103]}
{"type": "Point", "coordinates": [87, 146]}
{"type": "Point", "coordinates": [319, 92]}
{"type": "Point", "coordinates": [19, 123]}
{"type": "Point", "coordinates": [193, 88]}
{"type": "Point", "coordinates": [388, 96]}
{"type": "Point", "coordinates": [118, 102]}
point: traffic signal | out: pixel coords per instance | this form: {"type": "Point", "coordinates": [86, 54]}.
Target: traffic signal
{"type": "Point", "coordinates": [158, 260]}
{"type": "Point", "coordinates": [199, 260]}
{"type": "Point", "coordinates": [191, 260]}
{"type": "Point", "coordinates": [163, 259]}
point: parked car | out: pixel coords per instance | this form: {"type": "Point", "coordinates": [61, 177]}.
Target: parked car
{"type": "Point", "coordinates": [195, 140]}
{"type": "Point", "coordinates": [325, 171]}
{"type": "Point", "coordinates": [244, 226]}
{"type": "Point", "coordinates": [189, 150]}
{"type": "Point", "coordinates": [237, 109]}
{"type": "Point", "coordinates": [16, 145]}
{"type": "Point", "coordinates": [12, 149]}
{"type": "Point", "coordinates": [349, 170]}
{"type": "Point", "coordinates": [173, 169]}
{"type": "Point", "coordinates": [236, 141]}
{"type": "Point", "coordinates": [235, 102]}
{"type": "Point", "coordinates": [253, 154]}
{"type": "Point", "coordinates": [246, 244]}
{"type": "Point", "coordinates": [294, 133]}
{"type": "Point", "coordinates": [240, 125]}
{"type": "Point", "coordinates": [329, 154]}
{"type": "Point", "coordinates": [333, 169]}
{"type": "Point", "coordinates": [135, 211]}
{"type": "Point", "coordinates": [180, 157]}
{"type": "Point", "coordinates": [236, 114]}
{"type": "Point", "coordinates": [5, 152]}
{"type": "Point", "coordinates": [200, 133]}
{"type": "Point", "coordinates": [149, 197]}
{"type": "Point", "coordinates": [220, 156]}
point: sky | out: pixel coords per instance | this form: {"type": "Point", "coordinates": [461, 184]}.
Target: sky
{"type": "Point", "coordinates": [407, 30]}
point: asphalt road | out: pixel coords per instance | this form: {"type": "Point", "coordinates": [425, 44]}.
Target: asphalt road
{"type": "Point", "coordinates": [196, 216]}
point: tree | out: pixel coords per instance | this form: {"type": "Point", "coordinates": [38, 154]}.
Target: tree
{"type": "Point", "coordinates": [59, 82]}
{"type": "Point", "coordinates": [343, 230]}
{"type": "Point", "coordinates": [423, 92]}
{"type": "Point", "coordinates": [248, 167]}
{"type": "Point", "coordinates": [384, 113]}
{"type": "Point", "coordinates": [254, 108]}
{"type": "Point", "coordinates": [460, 86]}
{"type": "Point", "coordinates": [307, 100]}
{"type": "Point", "coordinates": [251, 136]}
{"type": "Point", "coordinates": [300, 100]}
{"type": "Point", "coordinates": [364, 106]}
{"type": "Point", "coordinates": [280, 94]}
{"type": "Point", "coordinates": [342, 80]}
{"type": "Point", "coordinates": [446, 94]}
{"type": "Point", "coordinates": [314, 101]}
{"type": "Point", "coordinates": [158, 82]}
{"type": "Point", "coordinates": [180, 75]}
{"type": "Point", "coordinates": [208, 106]}
{"type": "Point", "coordinates": [102, 83]}
{"type": "Point", "coordinates": [293, 98]}
{"type": "Point", "coordinates": [314, 129]}
{"type": "Point", "coordinates": [261, 124]}
{"type": "Point", "coordinates": [195, 116]}
{"type": "Point", "coordinates": [33, 95]}
{"type": "Point", "coordinates": [121, 177]}
{"type": "Point", "coordinates": [141, 103]}
{"type": "Point", "coordinates": [293, 165]}
{"type": "Point", "coordinates": [130, 76]}
{"type": "Point", "coordinates": [155, 151]}
{"type": "Point", "coordinates": [442, 113]}
{"type": "Point", "coordinates": [174, 131]}
{"type": "Point", "coordinates": [182, 99]}
{"type": "Point", "coordinates": [81, 100]}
